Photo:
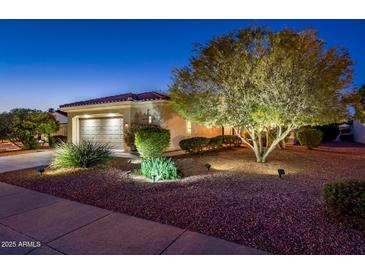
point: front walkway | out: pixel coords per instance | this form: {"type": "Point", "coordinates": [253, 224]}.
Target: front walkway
{"type": "Point", "coordinates": [22, 161]}
{"type": "Point", "coordinates": [36, 223]}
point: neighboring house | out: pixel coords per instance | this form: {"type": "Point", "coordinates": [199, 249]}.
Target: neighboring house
{"type": "Point", "coordinates": [105, 119]}
{"type": "Point", "coordinates": [61, 117]}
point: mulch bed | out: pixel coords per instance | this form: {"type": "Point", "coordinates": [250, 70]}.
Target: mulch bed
{"type": "Point", "coordinates": [239, 200]}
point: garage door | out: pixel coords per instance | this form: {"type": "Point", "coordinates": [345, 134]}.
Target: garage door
{"type": "Point", "coordinates": [103, 130]}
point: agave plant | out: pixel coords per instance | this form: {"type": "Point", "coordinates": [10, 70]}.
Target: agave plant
{"type": "Point", "coordinates": [86, 154]}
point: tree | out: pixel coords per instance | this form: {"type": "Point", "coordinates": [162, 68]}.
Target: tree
{"type": "Point", "coordinates": [23, 124]}
{"type": "Point", "coordinates": [258, 81]}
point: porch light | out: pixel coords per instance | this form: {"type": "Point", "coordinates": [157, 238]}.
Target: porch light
{"type": "Point", "coordinates": [126, 125]}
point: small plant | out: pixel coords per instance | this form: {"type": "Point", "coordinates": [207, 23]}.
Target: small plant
{"type": "Point", "coordinates": [345, 200]}
{"type": "Point", "coordinates": [159, 169]}
{"type": "Point", "coordinates": [152, 141]}
{"type": "Point", "coordinates": [84, 155]}
{"type": "Point", "coordinates": [32, 144]}
{"type": "Point", "coordinates": [309, 137]}
{"type": "Point", "coordinates": [216, 142]}
{"type": "Point", "coordinates": [194, 145]}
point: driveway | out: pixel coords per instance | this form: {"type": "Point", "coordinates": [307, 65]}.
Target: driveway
{"type": "Point", "coordinates": [22, 161]}
{"type": "Point", "coordinates": [37, 223]}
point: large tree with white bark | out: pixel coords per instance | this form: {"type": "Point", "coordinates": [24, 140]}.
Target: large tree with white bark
{"type": "Point", "coordinates": [261, 82]}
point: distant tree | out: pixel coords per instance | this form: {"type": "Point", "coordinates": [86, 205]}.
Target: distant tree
{"type": "Point", "coordinates": [357, 101]}
{"type": "Point", "coordinates": [24, 124]}
{"type": "Point", "coordinates": [258, 81]}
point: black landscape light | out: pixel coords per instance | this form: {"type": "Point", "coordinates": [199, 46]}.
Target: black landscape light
{"type": "Point", "coordinates": [40, 170]}
{"type": "Point", "coordinates": [208, 166]}
{"type": "Point", "coordinates": [281, 172]}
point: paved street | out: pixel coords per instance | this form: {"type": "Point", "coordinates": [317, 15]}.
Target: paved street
{"type": "Point", "coordinates": [22, 161]}
{"type": "Point", "coordinates": [37, 223]}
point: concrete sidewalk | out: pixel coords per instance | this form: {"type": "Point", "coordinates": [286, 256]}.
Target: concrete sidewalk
{"type": "Point", "coordinates": [22, 161]}
{"type": "Point", "coordinates": [37, 223]}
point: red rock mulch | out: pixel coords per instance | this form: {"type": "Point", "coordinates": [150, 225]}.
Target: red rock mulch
{"type": "Point", "coordinates": [252, 207]}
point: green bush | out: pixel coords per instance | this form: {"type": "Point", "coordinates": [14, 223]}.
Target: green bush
{"type": "Point", "coordinates": [330, 132]}
{"type": "Point", "coordinates": [194, 145]}
{"type": "Point", "coordinates": [85, 155]}
{"type": "Point", "coordinates": [152, 141]}
{"type": "Point", "coordinates": [345, 200]}
{"type": "Point", "coordinates": [310, 137]}
{"type": "Point", "coordinates": [53, 141]}
{"type": "Point", "coordinates": [129, 134]}
{"type": "Point", "coordinates": [231, 140]}
{"type": "Point", "coordinates": [32, 144]}
{"type": "Point", "coordinates": [216, 142]}
{"type": "Point", "coordinates": [159, 169]}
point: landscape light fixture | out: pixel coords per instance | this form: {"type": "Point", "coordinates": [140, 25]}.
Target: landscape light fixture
{"type": "Point", "coordinates": [208, 166]}
{"type": "Point", "coordinates": [40, 170]}
{"type": "Point", "coordinates": [281, 172]}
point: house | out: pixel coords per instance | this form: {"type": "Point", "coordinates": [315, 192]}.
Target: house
{"type": "Point", "coordinates": [61, 117]}
{"type": "Point", "coordinates": [104, 120]}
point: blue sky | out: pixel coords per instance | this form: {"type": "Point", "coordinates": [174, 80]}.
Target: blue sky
{"type": "Point", "coordinates": [45, 63]}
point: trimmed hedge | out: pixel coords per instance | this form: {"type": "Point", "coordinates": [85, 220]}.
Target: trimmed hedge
{"type": "Point", "coordinates": [200, 144]}
{"type": "Point", "coordinates": [194, 145]}
{"type": "Point", "coordinates": [330, 131]}
{"type": "Point", "coordinates": [310, 137]}
{"type": "Point", "coordinates": [232, 140]}
{"type": "Point", "coordinates": [151, 141]}
{"type": "Point", "coordinates": [216, 142]}
{"type": "Point", "coordinates": [159, 169]}
{"type": "Point", "coordinates": [345, 200]}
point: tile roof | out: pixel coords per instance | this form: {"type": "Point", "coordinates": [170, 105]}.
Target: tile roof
{"type": "Point", "coordinates": [145, 96]}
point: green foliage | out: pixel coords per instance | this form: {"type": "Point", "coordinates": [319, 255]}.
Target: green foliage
{"type": "Point", "coordinates": [232, 140]}
{"type": "Point", "coordinates": [194, 144]}
{"type": "Point", "coordinates": [85, 155]}
{"type": "Point", "coordinates": [309, 137]}
{"type": "Point", "coordinates": [159, 169]}
{"type": "Point", "coordinates": [55, 140]}
{"type": "Point", "coordinates": [152, 141]}
{"type": "Point", "coordinates": [216, 142]}
{"type": "Point", "coordinates": [31, 144]}
{"type": "Point", "coordinates": [23, 124]}
{"type": "Point", "coordinates": [330, 131]}
{"type": "Point", "coordinates": [256, 80]}
{"type": "Point", "coordinates": [345, 200]}
{"type": "Point", "coordinates": [129, 134]}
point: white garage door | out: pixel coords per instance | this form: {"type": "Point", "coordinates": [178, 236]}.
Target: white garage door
{"type": "Point", "coordinates": [103, 130]}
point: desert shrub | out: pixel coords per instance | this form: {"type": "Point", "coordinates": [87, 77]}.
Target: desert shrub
{"type": "Point", "coordinates": [159, 169]}
{"type": "Point", "coordinates": [152, 141]}
{"type": "Point", "coordinates": [216, 142]}
{"type": "Point", "coordinates": [309, 137]}
{"type": "Point", "coordinates": [330, 132]}
{"type": "Point", "coordinates": [345, 200]}
{"type": "Point", "coordinates": [53, 141]}
{"type": "Point", "coordinates": [32, 144]}
{"type": "Point", "coordinates": [194, 145]}
{"type": "Point", "coordinates": [231, 140]}
{"type": "Point", "coordinates": [86, 154]}
{"type": "Point", "coordinates": [129, 134]}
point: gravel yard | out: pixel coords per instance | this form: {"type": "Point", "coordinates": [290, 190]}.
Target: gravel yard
{"type": "Point", "coordinates": [238, 200]}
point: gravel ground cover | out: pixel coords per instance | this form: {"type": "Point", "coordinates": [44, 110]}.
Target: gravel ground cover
{"type": "Point", "coordinates": [238, 200]}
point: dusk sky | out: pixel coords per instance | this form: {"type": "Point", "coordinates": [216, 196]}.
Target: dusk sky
{"type": "Point", "coordinates": [46, 63]}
